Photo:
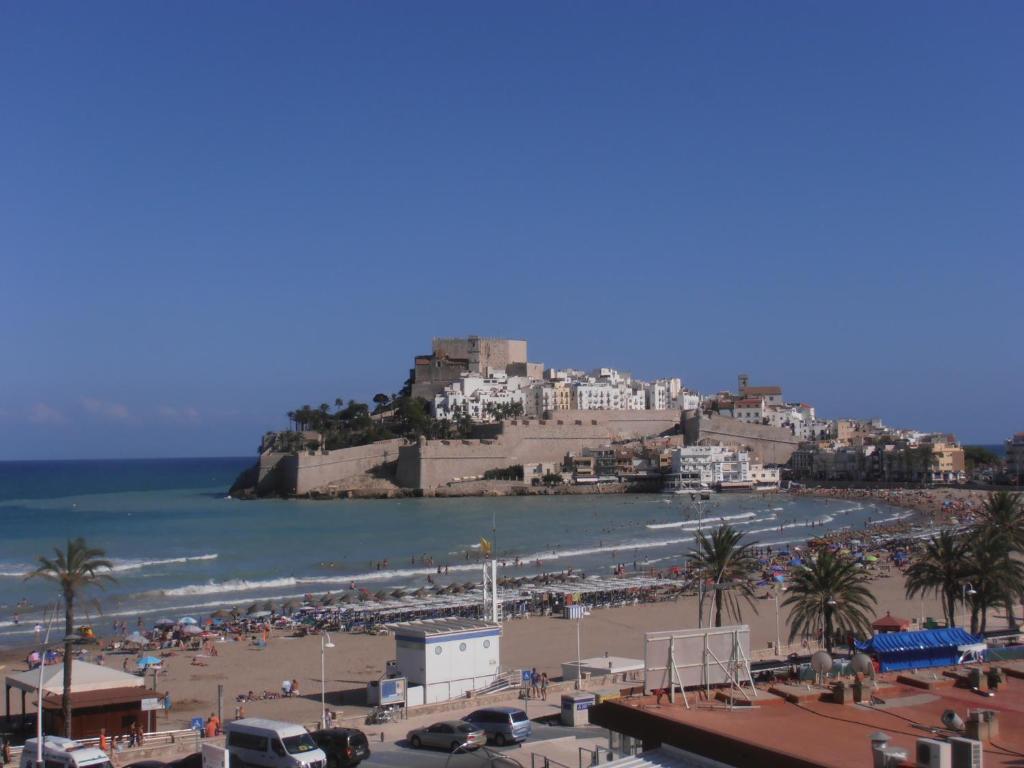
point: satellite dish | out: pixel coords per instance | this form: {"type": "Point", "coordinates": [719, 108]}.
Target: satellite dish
{"type": "Point", "coordinates": [861, 664]}
{"type": "Point", "coordinates": [952, 720]}
{"type": "Point", "coordinates": [821, 662]}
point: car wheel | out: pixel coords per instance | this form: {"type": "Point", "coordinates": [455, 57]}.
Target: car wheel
{"type": "Point", "coordinates": [499, 740]}
{"type": "Point", "coordinates": [416, 743]}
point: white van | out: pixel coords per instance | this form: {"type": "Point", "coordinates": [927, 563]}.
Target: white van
{"type": "Point", "coordinates": [254, 741]}
{"type": "Point", "coordinates": [59, 752]}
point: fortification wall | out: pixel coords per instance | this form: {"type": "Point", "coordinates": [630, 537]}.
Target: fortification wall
{"type": "Point", "coordinates": [433, 463]}
{"type": "Point", "coordinates": [321, 469]}
{"type": "Point", "coordinates": [772, 445]}
{"type": "Point", "coordinates": [275, 470]}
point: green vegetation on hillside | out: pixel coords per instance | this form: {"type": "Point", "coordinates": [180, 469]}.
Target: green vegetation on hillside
{"type": "Point", "coordinates": [354, 423]}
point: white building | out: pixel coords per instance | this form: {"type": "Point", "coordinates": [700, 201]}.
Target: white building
{"type": "Point", "coordinates": [475, 394]}
{"type": "Point", "coordinates": [448, 657]}
{"type": "Point", "coordinates": [707, 466]}
{"type": "Point", "coordinates": [752, 410]}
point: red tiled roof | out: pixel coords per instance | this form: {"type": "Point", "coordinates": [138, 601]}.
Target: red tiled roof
{"type": "Point", "coordinates": [748, 402]}
{"type": "Point", "coordinates": [773, 390]}
{"type": "Point", "coordinates": [889, 622]}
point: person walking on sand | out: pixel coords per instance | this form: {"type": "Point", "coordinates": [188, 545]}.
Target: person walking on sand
{"type": "Point", "coordinates": [534, 683]}
{"type": "Point", "coordinates": [544, 685]}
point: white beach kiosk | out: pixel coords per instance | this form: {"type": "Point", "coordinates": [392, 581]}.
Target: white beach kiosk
{"type": "Point", "coordinates": [448, 657]}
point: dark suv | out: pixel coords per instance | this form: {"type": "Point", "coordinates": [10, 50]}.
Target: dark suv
{"type": "Point", "coordinates": [344, 747]}
{"type": "Point", "coordinates": [503, 725]}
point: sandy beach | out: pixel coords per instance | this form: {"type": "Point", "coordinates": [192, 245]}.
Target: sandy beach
{"type": "Point", "coordinates": [191, 679]}
{"type": "Point", "coordinates": [358, 658]}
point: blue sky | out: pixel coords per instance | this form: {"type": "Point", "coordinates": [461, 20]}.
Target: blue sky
{"type": "Point", "coordinates": [212, 213]}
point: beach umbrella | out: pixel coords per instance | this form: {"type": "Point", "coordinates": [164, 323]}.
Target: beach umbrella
{"type": "Point", "coordinates": [796, 561]}
{"type": "Point", "coordinates": [421, 592]}
{"type": "Point", "coordinates": [268, 605]}
{"type": "Point", "coordinates": [364, 596]}
{"type": "Point", "coordinates": [350, 597]}
{"type": "Point", "coordinates": [191, 629]}
{"type": "Point", "coordinates": [187, 620]}
{"type": "Point", "coordinates": [221, 614]}
{"type": "Point", "coordinates": [136, 638]}
{"type": "Point", "coordinates": [148, 661]}
{"type": "Point", "coordinates": [163, 623]}
{"type": "Point", "coordinates": [871, 558]}
{"type": "Point", "coordinates": [290, 606]}
{"type": "Point", "coordinates": [252, 609]}
{"type": "Point", "coordinates": [469, 585]}
{"type": "Point", "coordinates": [455, 589]}
{"type": "Point", "coordinates": [440, 590]}
{"type": "Point", "coordinates": [380, 595]}
{"type": "Point", "coordinates": [398, 593]}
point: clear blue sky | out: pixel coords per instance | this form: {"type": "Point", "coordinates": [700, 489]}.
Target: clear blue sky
{"type": "Point", "coordinates": [212, 213]}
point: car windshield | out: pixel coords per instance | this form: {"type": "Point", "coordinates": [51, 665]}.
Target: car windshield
{"type": "Point", "coordinates": [519, 717]}
{"type": "Point", "coordinates": [298, 744]}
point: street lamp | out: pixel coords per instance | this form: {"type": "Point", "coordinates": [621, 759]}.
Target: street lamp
{"type": "Point", "coordinates": [966, 590]}
{"type": "Point", "coordinates": [779, 587]}
{"type": "Point", "coordinates": [39, 691]}
{"type": "Point", "coordinates": [323, 677]}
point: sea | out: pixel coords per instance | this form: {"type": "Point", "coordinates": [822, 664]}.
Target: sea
{"type": "Point", "coordinates": [181, 546]}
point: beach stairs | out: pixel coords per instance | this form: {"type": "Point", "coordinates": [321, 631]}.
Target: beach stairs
{"type": "Point", "coordinates": [504, 682]}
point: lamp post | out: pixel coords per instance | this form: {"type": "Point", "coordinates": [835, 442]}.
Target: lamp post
{"type": "Point", "coordinates": [323, 677]}
{"type": "Point", "coordinates": [39, 691]}
{"type": "Point", "coordinates": [830, 603]}
{"type": "Point", "coordinates": [579, 655]}
{"type": "Point", "coordinates": [966, 590]}
{"type": "Point", "coordinates": [778, 627]}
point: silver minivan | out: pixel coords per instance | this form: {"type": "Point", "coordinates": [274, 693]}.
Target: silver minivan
{"type": "Point", "coordinates": [59, 752]}
{"type": "Point", "coordinates": [261, 743]}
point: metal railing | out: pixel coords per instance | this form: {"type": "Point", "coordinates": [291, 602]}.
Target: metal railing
{"type": "Point", "coordinates": [149, 740]}
{"type": "Point", "coordinates": [540, 761]}
{"type": "Point", "coordinates": [593, 756]}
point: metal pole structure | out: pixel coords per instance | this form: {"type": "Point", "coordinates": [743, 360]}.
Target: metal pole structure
{"type": "Point", "coordinates": [39, 691]}
{"type": "Point", "coordinates": [579, 656]}
{"type": "Point", "coordinates": [220, 700]}
{"type": "Point", "coordinates": [778, 628]}
{"type": "Point", "coordinates": [323, 678]}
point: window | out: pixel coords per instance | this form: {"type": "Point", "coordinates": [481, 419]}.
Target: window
{"type": "Point", "coordinates": [298, 744]}
{"type": "Point", "coordinates": [462, 646]}
{"type": "Point", "coordinates": [247, 741]}
{"type": "Point", "coordinates": [437, 650]}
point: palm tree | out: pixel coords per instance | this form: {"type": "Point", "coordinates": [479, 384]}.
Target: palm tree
{"type": "Point", "coordinates": [829, 594]}
{"type": "Point", "coordinates": [75, 568]}
{"type": "Point", "coordinates": [942, 569]}
{"type": "Point", "coordinates": [1002, 521]}
{"type": "Point", "coordinates": [724, 559]}
{"type": "Point", "coordinates": [996, 575]}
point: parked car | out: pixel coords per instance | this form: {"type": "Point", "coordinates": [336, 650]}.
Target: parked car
{"type": "Point", "coordinates": [344, 747]}
{"type": "Point", "coordinates": [448, 734]}
{"type": "Point", "coordinates": [503, 725]}
{"type": "Point", "coordinates": [195, 760]}
{"type": "Point", "coordinates": [265, 743]}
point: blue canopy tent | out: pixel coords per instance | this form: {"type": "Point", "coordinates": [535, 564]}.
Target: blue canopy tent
{"type": "Point", "coordinates": [923, 648]}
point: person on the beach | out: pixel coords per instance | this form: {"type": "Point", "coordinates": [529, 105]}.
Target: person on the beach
{"type": "Point", "coordinates": [544, 685]}
{"type": "Point", "coordinates": [534, 683]}
{"type": "Point", "coordinates": [295, 687]}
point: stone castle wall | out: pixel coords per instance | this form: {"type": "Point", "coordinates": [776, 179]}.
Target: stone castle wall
{"type": "Point", "coordinates": [433, 463]}
{"type": "Point", "coordinates": [298, 474]}
{"type": "Point", "coordinates": [772, 445]}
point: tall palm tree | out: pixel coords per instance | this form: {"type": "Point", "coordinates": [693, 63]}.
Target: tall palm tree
{"type": "Point", "coordinates": [722, 558]}
{"type": "Point", "coordinates": [996, 575]}
{"type": "Point", "coordinates": [942, 569]}
{"type": "Point", "coordinates": [74, 569]}
{"type": "Point", "coordinates": [830, 593]}
{"type": "Point", "coordinates": [1002, 521]}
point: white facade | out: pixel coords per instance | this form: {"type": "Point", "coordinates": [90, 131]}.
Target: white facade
{"type": "Point", "coordinates": [448, 656]}
{"type": "Point", "coordinates": [752, 410]}
{"type": "Point", "coordinates": [473, 393]}
{"type": "Point", "coordinates": [705, 466]}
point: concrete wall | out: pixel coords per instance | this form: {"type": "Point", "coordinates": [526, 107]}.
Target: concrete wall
{"type": "Point", "coordinates": [336, 467]}
{"type": "Point", "coordinates": [772, 445]}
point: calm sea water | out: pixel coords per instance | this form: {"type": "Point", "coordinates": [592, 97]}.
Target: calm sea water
{"type": "Point", "coordinates": [179, 545]}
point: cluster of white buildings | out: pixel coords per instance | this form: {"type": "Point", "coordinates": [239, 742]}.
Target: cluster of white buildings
{"type": "Point", "coordinates": [707, 467]}
{"type": "Point", "coordinates": [765, 405]}
{"type": "Point", "coordinates": [604, 389]}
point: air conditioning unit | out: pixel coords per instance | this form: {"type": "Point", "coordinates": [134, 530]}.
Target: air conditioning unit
{"type": "Point", "coordinates": [934, 754]}
{"type": "Point", "coordinates": [966, 752]}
